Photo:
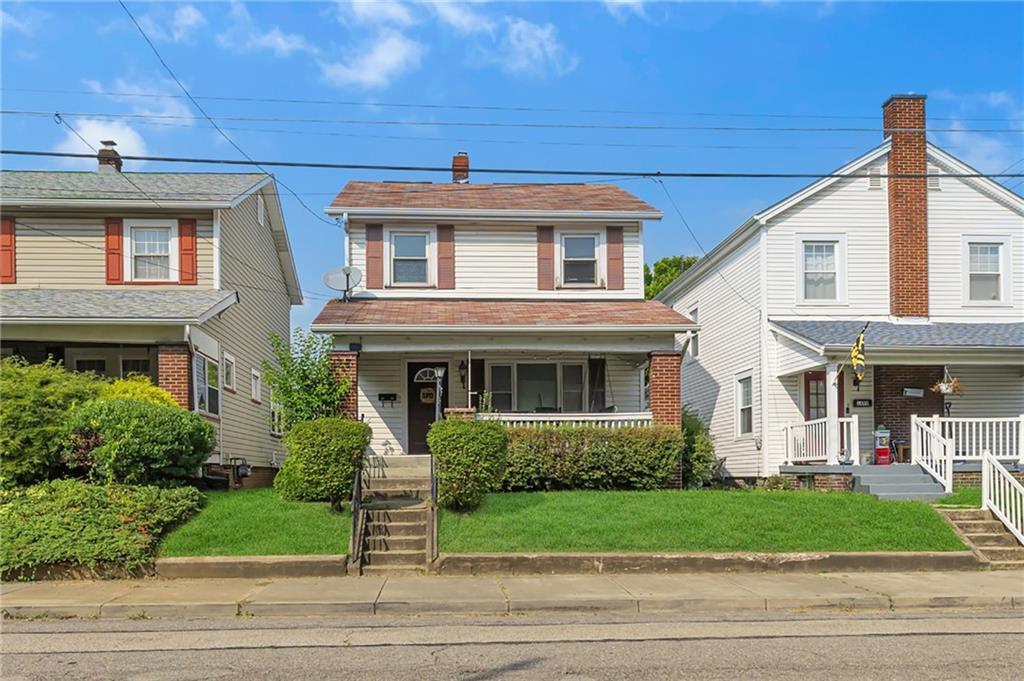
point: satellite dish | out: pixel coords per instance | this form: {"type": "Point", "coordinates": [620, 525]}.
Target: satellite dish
{"type": "Point", "coordinates": [343, 279]}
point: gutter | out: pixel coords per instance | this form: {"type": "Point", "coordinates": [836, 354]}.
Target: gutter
{"type": "Point", "coordinates": [114, 203]}
{"type": "Point", "coordinates": [358, 212]}
{"type": "Point", "coordinates": [449, 328]}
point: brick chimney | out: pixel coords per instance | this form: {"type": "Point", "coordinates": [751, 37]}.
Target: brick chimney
{"type": "Point", "coordinates": [904, 123]}
{"type": "Point", "coordinates": [110, 160]}
{"type": "Point", "coordinates": [460, 168]}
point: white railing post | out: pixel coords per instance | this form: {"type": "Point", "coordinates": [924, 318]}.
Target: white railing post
{"type": "Point", "coordinates": [1020, 439]}
{"type": "Point", "coordinates": [947, 449]}
{"type": "Point", "coordinates": [832, 412]}
{"type": "Point", "coordinates": [986, 478]}
{"type": "Point", "coordinates": [854, 443]}
{"type": "Point", "coordinates": [788, 444]}
{"type": "Point", "coordinates": [915, 440]}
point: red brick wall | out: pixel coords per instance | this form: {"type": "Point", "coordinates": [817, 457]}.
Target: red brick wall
{"type": "Point", "coordinates": [908, 207]}
{"type": "Point", "coordinates": [174, 372]}
{"type": "Point", "coordinates": [973, 478]}
{"type": "Point", "coordinates": [893, 409]}
{"type": "Point", "coordinates": [822, 482]}
{"type": "Point", "coordinates": [345, 364]}
{"type": "Point", "coordinates": [664, 384]}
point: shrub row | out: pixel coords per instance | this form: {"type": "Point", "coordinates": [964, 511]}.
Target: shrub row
{"type": "Point", "coordinates": [323, 458]}
{"type": "Point", "coordinates": [470, 460]}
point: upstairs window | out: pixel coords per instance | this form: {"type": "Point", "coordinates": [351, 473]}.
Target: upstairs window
{"type": "Point", "coordinates": [744, 404]}
{"type": "Point", "coordinates": [987, 270]}
{"type": "Point", "coordinates": [410, 259]}
{"type": "Point", "coordinates": [579, 260]}
{"type": "Point", "coordinates": [151, 253]}
{"type": "Point", "coordinates": [821, 269]}
{"type": "Point", "coordinates": [255, 386]}
{"type": "Point", "coordinates": [694, 339]}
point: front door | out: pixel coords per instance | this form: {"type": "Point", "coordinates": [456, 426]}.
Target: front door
{"type": "Point", "coordinates": [816, 399]}
{"type": "Point", "coordinates": [422, 402]}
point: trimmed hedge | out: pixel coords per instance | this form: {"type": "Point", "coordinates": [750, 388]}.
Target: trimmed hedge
{"type": "Point", "coordinates": [586, 457]}
{"type": "Point", "coordinates": [137, 387]}
{"type": "Point", "coordinates": [323, 458]}
{"type": "Point", "coordinates": [136, 442]}
{"type": "Point", "coordinates": [73, 524]}
{"type": "Point", "coordinates": [470, 460]}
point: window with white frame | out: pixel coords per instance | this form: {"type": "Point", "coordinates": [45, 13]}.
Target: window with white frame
{"type": "Point", "coordinates": [538, 386]}
{"type": "Point", "coordinates": [256, 386]}
{"type": "Point", "coordinates": [744, 404]}
{"type": "Point", "coordinates": [501, 387]}
{"type": "Point", "coordinates": [229, 372]}
{"type": "Point", "coordinates": [821, 269]}
{"type": "Point", "coordinates": [275, 415]}
{"type": "Point", "coordinates": [152, 250]}
{"type": "Point", "coordinates": [410, 258]}
{"type": "Point", "coordinates": [207, 382]}
{"type": "Point", "coordinates": [261, 209]}
{"type": "Point", "coordinates": [986, 270]}
{"type": "Point", "coordinates": [694, 340]}
{"type": "Point", "coordinates": [579, 260]}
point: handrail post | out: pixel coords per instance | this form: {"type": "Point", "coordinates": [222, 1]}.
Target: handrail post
{"type": "Point", "coordinates": [947, 448]}
{"type": "Point", "coordinates": [1020, 439]}
{"type": "Point", "coordinates": [986, 479]}
{"type": "Point", "coordinates": [915, 440]}
{"type": "Point", "coordinates": [786, 434]}
{"type": "Point", "coordinates": [855, 439]}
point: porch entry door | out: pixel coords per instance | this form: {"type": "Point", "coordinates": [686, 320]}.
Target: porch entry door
{"type": "Point", "coordinates": [422, 403]}
{"type": "Point", "coordinates": [816, 398]}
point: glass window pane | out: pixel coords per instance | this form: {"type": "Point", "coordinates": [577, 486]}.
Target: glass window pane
{"type": "Point", "coordinates": [579, 272]}
{"type": "Point", "coordinates": [747, 420]}
{"type": "Point", "coordinates": [580, 247]}
{"type": "Point", "coordinates": [501, 379]}
{"type": "Point", "coordinates": [152, 267]}
{"type": "Point", "coordinates": [819, 257]}
{"type": "Point", "coordinates": [212, 374]}
{"type": "Point", "coordinates": [536, 386]}
{"type": "Point", "coordinates": [410, 271]}
{"type": "Point", "coordinates": [745, 392]}
{"type": "Point", "coordinates": [572, 387]}
{"type": "Point", "coordinates": [134, 366]}
{"type": "Point", "coordinates": [229, 374]}
{"type": "Point", "coordinates": [410, 245]}
{"type": "Point", "coordinates": [819, 286]}
{"type": "Point", "coordinates": [984, 258]}
{"type": "Point", "coordinates": [501, 401]}
{"type": "Point", "coordinates": [985, 287]}
{"type": "Point", "coordinates": [97, 365]}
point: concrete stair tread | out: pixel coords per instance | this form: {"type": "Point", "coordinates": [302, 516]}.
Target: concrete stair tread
{"type": "Point", "coordinates": [992, 539]}
{"type": "Point", "coordinates": [395, 505]}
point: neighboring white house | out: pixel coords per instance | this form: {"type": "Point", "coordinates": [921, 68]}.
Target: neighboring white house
{"type": "Point", "coordinates": [934, 262]}
{"type": "Point", "coordinates": [529, 293]}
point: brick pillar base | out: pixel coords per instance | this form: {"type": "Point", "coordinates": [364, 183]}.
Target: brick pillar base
{"type": "Point", "coordinates": [345, 365]}
{"type": "Point", "coordinates": [174, 372]}
{"type": "Point", "coordinates": [664, 386]}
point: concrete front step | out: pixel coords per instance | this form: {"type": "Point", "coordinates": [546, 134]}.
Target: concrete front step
{"type": "Point", "coordinates": [396, 543]}
{"type": "Point", "coordinates": [395, 529]}
{"type": "Point", "coordinates": [1003, 554]}
{"type": "Point", "coordinates": [415, 514]}
{"type": "Point", "coordinates": [979, 526]}
{"type": "Point", "coordinates": [993, 539]}
{"type": "Point", "coordinates": [400, 558]}
{"type": "Point", "coordinates": [970, 514]}
{"type": "Point", "coordinates": [411, 496]}
{"type": "Point", "coordinates": [1006, 565]}
{"type": "Point", "coordinates": [396, 483]}
{"type": "Point", "coordinates": [396, 464]}
{"type": "Point", "coordinates": [902, 479]}
{"type": "Point", "coordinates": [904, 488]}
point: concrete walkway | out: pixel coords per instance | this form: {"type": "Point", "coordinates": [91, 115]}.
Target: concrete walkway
{"type": "Point", "coordinates": [499, 595]}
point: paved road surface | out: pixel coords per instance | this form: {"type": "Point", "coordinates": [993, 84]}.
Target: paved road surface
{"type": "Point", "coordinates": [968, 645]}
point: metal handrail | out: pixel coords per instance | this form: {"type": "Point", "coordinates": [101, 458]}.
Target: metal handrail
{"type": "Point", "coordinates": [432, 551]}
{"type": "Point", "coordinates": [355, 540]}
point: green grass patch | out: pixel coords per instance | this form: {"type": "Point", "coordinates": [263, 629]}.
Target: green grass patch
{"type": "Point", "coordinates": [259, 523]}
{"type": "Point", "coordinates": [694, 520]}
{"type": "Point", "coordinates": [965, 496]}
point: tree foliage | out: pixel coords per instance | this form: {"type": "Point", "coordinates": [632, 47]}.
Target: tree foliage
{"type": "Point", "coordinates": [664, 272]}
{"type": "Point", "coordinates": [302, 381]}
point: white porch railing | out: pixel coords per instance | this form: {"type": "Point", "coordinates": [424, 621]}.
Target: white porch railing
{"type": "Point", "coordinates": [622, 419]}
{"type": "Point", "coordinates": [931, 451]}
{"type": "Point", "coordinates": [1002, 495]}
{"type": "Point", "coordinates": [808, 441]}
{"type": "Point", "coordinates": [1002, 437]}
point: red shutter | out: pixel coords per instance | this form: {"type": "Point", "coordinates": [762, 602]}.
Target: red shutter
{"type": "Point", "coordinates": [187, 251]}
{"type": "Point", "coordinates": [446, 256]}
{"type": "Point", "coordinates": [616, 263]}
{"type": "Point", "coordinates": [115, 251]}
{"type": "Point", "coordinates": [545, 258]}
{"type": "Point", "coordinates": [8, 260]}
{"type": "Point", "coordinates": [374, 256]}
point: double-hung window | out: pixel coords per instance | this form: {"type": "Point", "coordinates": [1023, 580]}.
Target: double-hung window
{"type": "Point", "coordinates": [744, 404]}
{"type": "Point", "coordinates": [538, 387]}
{"type": "Point", "coordinates": [501, 387]}
{"type": "Point", "coordinates": [821, 275]}
{"type": "Point", "coordinates": [579, 260]}
{"type": "Point", "coordinates": [694, 339]}
{"type": "Point", "coordinates": [229, 372]}
{"type": "Point", "coordinates": [985, 271]}
{"type": "Point", "coordinates": [255, 386]}
{"type": "Point", "coordinates": [151, 252]}
{"type": "Point", "coordinates": [410, 258]}
{"type": "Point", "coordinates": [207, 382]}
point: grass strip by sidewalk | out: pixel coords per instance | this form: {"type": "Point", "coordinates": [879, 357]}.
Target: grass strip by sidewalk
{"type": "Point", "coordinates": [694, 520]}
{"type": "Point", "coordinates": [968, 497]}
{"type": "Point", "coordinates": [259, 523]}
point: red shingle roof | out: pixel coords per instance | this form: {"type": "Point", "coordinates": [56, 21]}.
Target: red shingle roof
{"type": "Point", "coordinates": [505, 197]}
{"type": "Point", "coordinates": [511, 313]}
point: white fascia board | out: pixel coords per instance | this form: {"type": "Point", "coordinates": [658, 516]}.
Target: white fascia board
{"type": "Point", "coordinates": [796, 338]}
{"type": "Point", "coordinates": [998, 191]}
{"type": "Point", "coordinates": [219, 307]}
{"type": "Point", "coordinates": [356, 329]}
{"type": "Point", "coordinates": [382, 213]}
{"type": "Point", "coordinates": [728, 245]}
{"type": "Point", "coordinates": [286, 257]}
{"type": "Point", "coordinates": [106, 321]}
{"type": "Point", "coordinates": [252, 190]}
{"type": "Point", "coordinates": [113, 203]}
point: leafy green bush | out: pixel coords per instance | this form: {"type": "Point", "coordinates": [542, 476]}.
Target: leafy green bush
{"type": "Point", "coordinates": [323, 458]}
{"type": "Point", "coordinates": [34, 400]}
{"type": "Point", "coordinates": [586, 457]}
{"type": "Point", "coordinates": [699, 462]}
{"type": "Point", "coordinates": [137, 387]}
{"type": "Point", "coordinates": [71, 523]}
{"type": "Point", "coordinates": [136, 442]}
{"type": "Point", "coordinates": [470, 460]}
{"type": "Point", "coordinates": [303, 381]}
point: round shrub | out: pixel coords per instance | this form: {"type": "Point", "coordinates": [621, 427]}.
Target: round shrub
{"type": "Point", "coordinates": [34, 401]}
{"type": "Point", "coordinates": [324, 456]}
{"type": "Point", "coordinates": [136, 442]}
{"type": "Point", "coordinates": [470, 460]}
{"type": "Point", "coordinates": [137, 387]}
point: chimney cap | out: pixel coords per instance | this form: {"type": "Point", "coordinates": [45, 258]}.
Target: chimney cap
{"type": "Point", "coordinates": [909, 95]}
{"type": "Point", "coordinates": [110, 144]}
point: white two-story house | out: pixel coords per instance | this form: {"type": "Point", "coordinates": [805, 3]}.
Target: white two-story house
{"type": "Point", "coordinates": [178, 276]}
{"type": "Point", "coordinates": [932, 264]}
{"type": "Point", "coordinates": [524, 301]}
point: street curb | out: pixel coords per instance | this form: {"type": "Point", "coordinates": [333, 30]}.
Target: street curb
{"type": "Point", "coordinates": [655, 563]}
{"type": "Point", "coordinates": [208, 567]}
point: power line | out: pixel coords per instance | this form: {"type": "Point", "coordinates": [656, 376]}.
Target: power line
{"type": "Point", "coordinates": [475, 107]}
{"type": "Point", "coordinates": [505, 171]}
{"type": "Point", "coordinates": [651, 127]}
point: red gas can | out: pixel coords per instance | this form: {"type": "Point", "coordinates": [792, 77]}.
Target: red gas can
{"type": "Point", "coordinates": [883, 455]}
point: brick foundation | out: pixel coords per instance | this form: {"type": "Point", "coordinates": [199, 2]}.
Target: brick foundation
{"type": "Point", "coordinates": [345, 365]}
{"type": "Point", "coordinates": [259, 476]}
{"type": "Point", "coordinates": [973, 478]}
{"type": "Point", "coordinates": [664, 386]}
{"type": "Point", "coordinates": [822, 482]}
{"type": "Point", "coordinates": [893, 409]}
{"type": "Point", "coordinates": [174, 372]}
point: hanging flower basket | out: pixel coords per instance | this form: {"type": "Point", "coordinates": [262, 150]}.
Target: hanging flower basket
{"type": "Point", "coordinates": [948, 386]}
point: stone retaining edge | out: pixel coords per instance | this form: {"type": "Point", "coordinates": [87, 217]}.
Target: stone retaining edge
{"type": "Point", "coordinates": [205, 567]}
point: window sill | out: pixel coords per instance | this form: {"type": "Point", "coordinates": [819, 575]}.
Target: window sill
{"type": "Point", "coordinates": [255, 401]}
{"type": "Point", "coordinates": [209, 416]}
{"type": "Point", "coordinates": [583, 287]}
{"type": "Point", "coordinates": [987, 304]}
{"type": "Point", "coordinates": [230, 390]}
{"type": "Point", "coordinates": [822, 303]}
{"type": "Point", "coordinates": [152, 282]}
{"type": "Point", "coordinates": [412, 286]}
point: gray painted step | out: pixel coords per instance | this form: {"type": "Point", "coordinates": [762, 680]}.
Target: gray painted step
{"type": "Point", "coordinates": [905, 488]}
{"type": "Point", "coordinates": [900, 481]}
{"type": "Point", "coordinates": [906, 478]}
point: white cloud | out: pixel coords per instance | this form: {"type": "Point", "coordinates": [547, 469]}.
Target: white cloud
{"type": "Point", "coordinates": [9, 22]}
{"type": "Point", "coordinates": [245, 36]}
{"type": "Point", "coordinates": [376, 12]}
{"type": "Point", "coordinates": [987, 152]}
{"type": "Point", "coordinates": [622, 9]}
{"type": "Point", "coordinates": [461, 17]}
{"type": "Point", "coordinates": [144, 99]}
{"type": "Point", "coordinates": [27, 20]}
{"type": "Point", "coordinates": [179, 26]}
{"type": "Point", "coordinates": [531, 48]}
{"type": "Point", "coordinates": [129, 142]}
{"type": "Point", "coordinates": [389, 55]}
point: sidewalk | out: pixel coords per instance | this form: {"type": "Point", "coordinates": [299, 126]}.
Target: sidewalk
{"type": "Point", "coordinates": [399, 595]}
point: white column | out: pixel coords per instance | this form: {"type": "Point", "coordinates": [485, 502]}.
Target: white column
{"type": "Point", "coordinates": [832, 412]}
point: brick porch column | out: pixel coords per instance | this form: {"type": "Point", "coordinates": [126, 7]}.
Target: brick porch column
{"type": "Point", "coordinates": [345, 364]}
{"type": "Point", "coordinates": [173, 372]}
{"type": "Point", "coordinates": [666, 404]}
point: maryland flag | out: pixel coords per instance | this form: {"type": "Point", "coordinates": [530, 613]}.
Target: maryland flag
{"type": "Point", "coordinates": [857, 359]}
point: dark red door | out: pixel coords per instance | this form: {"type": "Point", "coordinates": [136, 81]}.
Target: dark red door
{"type": "Point", "coordinates": [422, 402]}
{"type": "Point", "coordinates": [816, 399]}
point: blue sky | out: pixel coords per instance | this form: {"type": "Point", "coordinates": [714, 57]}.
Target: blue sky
{"type": "Point", "coordinates": [672, 60]}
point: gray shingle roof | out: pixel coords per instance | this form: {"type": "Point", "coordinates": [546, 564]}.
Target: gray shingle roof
{"type": "Point", "coordinates": [888, 334]}
{"type": "Point", "coordinates": [111, 304]}
{"type": "Point", "coordinates": [46, 184]}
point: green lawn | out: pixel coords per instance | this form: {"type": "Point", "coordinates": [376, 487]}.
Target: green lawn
{"type": "Point", "coordinates": [694, 520]}
{"type": "Point", "coordinates": [259, 523]}
{"type": "Point", "coordinates": [965, 496]}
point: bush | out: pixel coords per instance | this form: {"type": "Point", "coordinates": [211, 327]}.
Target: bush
{"type": "Point", "coordinates": [323, 458]}
{"type": "Point", "coordinates": [34, 400]}
{"type": "Point", "coordinates": [470, 460]}
{"type": "Point", "coordinates": [136, 442]}
{"type": "Point", "coordinates": [71, 523]}
{"type": "Point", "coordinates": [585, 457]}
{"type": "Point", "coordinates": [699, 462]}
{"type": "Point", "coordinates": [137, 387]}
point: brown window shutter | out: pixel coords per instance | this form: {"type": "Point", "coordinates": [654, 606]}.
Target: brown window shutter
{"type": "Point", "coordinates": [616, 259]}
{"type": "Point", "coordinates": [115, 250]}
{"type": "Point", "coordinates": [8, 255]}
{"type": "Point", "coordinates": [446, 256]}
{"type": "Point", "coordinates": [187, 266]}
{"type": "Point", "coordinates": [545, 258]}
{"type": "Point", "coordinates": [374, 256]}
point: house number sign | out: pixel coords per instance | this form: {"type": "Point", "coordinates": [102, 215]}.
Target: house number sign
{"type": "Point", "coordinates": [428, 396]}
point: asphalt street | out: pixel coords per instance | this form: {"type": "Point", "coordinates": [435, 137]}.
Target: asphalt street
{"type": "Point", "coordinates": [965, 645]}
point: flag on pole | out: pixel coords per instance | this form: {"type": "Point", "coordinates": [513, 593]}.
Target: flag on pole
{"type": "Point", "coordinates": [857, 359]}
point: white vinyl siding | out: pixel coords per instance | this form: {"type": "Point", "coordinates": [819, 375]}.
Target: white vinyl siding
{"type": "Point", "coordinates": [989, 391]}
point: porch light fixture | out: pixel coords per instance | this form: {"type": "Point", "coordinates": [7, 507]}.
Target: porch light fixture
{"type": "Point", "coordinates": [462, 372]}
